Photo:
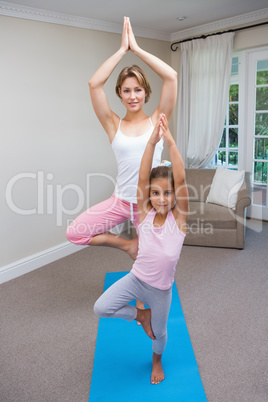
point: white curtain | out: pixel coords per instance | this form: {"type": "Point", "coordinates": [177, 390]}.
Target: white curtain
{"type": "Point", "coordinates": [203, 95]}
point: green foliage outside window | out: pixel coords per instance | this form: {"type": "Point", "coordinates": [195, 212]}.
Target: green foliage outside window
{"type": "Point", "coordinates": [223, 139]}
{"type": "Point", "coordinates": [228, 150]}
{"type": "Point", "coordinates": [262, 98]}
{"type": "Point", "coordinates": [260, 172]}
{"type": "Point", "coordinates": [233, 93]}
{"type": "Point", "coordinates": [261, 123]}
{"type": "Point", "coordinates": [261, 148]}
{"type": "Point", "coordinates": [262, 76]}
{"type": "Point", "coordinates": [233, 137]}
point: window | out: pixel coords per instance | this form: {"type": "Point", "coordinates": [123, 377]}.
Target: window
{"type": "Point", "coordinates": [227, 154]}
{"type": "Point", "coordinates": [244, 142]}
{"type": "Point", "coordinates": [260, 135]}
{"type": "Point", "coordinates": [256, 126]}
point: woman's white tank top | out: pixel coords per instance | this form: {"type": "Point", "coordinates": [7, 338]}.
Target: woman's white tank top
{"type": "Point", "coordinates": [128, 152]}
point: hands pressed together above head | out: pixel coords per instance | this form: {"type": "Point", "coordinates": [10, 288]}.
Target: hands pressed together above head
{"type": "Point", "coordinates": [161, 130]}
{"type": "Point", "coordinates": [128, 38]}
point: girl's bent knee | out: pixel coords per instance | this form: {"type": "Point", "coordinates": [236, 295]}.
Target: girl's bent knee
{"type": "Point", "coordinates": [98, 310]}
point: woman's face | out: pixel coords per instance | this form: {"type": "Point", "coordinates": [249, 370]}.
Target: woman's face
{"type": "Point", "coordinates": [132, 94]}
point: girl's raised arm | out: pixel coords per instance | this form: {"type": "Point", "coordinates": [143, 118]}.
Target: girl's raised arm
{"type": "Point", "coordinates": [106, 116]}
{"type": "Point", "coordinates": [143, 190]}
{"type": "Point", "coordinates": [169, 76]}
{"type": "Point", "coordinates": [181, 209]}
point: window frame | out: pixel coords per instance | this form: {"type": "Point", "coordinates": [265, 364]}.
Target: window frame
{"type": "Point", "coordinates": [235, 79]}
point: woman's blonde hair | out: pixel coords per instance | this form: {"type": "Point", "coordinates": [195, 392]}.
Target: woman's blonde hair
{"type": "Point", "coordinates": [137, 72]}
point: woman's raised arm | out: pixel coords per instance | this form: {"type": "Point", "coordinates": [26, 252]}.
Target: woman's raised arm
{"type": "Point", "coordinates": [168, 74]}
{"type": "Point", "coordinates": [106, 116]}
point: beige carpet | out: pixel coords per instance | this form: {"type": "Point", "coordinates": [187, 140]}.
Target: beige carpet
{"type": "Point", "coordinates": [48, 330]}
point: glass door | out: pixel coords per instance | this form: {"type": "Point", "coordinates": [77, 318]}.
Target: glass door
{"type": "Point", "coordinates": [257, 143]}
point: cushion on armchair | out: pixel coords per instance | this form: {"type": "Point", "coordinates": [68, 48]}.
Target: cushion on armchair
{"type": "Point", "coordinates": [225, 186]}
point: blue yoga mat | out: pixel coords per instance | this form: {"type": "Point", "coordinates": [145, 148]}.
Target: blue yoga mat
{"type": "Point", "coordinates": [123, 360]}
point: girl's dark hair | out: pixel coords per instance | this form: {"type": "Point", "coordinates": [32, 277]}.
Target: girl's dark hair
{"type": "Point", "coordinates": [162, 172]}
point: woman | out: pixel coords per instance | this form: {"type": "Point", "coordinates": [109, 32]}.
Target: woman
{"type": "Point", "coordinates": [128, 138]}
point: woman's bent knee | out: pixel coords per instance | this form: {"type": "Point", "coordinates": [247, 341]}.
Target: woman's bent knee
{"type": "Point", "coordinates": [76, 236]}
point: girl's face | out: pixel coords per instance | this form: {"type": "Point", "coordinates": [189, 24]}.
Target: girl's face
{"type": "Point", "coordinates": [132, 94]}
{"type": "Point", "coordinates": [162, 195]}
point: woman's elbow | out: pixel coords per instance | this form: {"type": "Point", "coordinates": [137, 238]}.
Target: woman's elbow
{"type": "Point", "coordinates": [91, 83]}
{"type": "Point", "coordinates": [175, 75]}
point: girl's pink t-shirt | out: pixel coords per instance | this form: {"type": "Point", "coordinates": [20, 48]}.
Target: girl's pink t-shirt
{"type": "Point", "coordinates": [159, 251]}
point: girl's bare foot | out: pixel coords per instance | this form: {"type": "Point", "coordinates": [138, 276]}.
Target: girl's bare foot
{"type": "Point", "coordinates": [157, 371]}
{"type": "Point", "coordinates": [140, 306]}
{"type": "Point", "coordinates": [144, 317]}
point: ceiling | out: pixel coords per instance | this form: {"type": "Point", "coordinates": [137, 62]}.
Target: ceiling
{"type": "Point", "coordinates": [155, 15]}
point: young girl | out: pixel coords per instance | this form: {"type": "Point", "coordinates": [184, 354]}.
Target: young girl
{"type": "Point", "coordinates": [163, 208]}
{"type": "Point", "coordinates": [128, 138]}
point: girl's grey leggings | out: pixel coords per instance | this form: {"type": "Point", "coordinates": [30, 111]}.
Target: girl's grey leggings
{"type": "Point", "coordinates": [114, 301]}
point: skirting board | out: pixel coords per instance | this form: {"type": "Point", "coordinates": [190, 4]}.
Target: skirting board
{"type": "Point", "coordinates": [35, 261]}
{"type": "Point", "coordinates": [26, 265]}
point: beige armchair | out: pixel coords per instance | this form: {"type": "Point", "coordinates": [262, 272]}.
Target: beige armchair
{"type": "Point", "coordinates": [214, 225]}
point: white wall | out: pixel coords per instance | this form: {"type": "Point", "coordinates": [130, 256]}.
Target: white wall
{"type": "Point", "coordinates": [251, 38]}
{"type": "Point", "coordinates": [50, 137]}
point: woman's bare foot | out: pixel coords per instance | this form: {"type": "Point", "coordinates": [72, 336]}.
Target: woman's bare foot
{"type": "Point", "coordinates": [157, 371]}
{"type": "Point", "coordinates": [144, 317]}
{"type": "Point", "coordinates": [140, 306]}
{"type": "Point", "coordinates": [132, 248]}
{"type": "Point", "coordinates": [111, 240]}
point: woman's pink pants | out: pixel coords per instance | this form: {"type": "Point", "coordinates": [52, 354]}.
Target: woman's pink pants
{"type": "Point", "coordinates": [100, 218]}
